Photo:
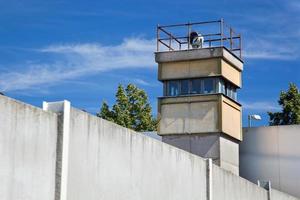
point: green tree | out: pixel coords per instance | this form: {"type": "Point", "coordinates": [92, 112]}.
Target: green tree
{"type": "Point", "coordinates": [132, 109]}
{"type": "Point", "coordinates": [290, 103]}
{"type": "Point", "coordinates": [105, 113]}
{"type": "Point", "coordinates": [121, 108]}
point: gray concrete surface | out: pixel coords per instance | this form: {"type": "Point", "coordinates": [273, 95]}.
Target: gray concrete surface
{"type": "Point", "coordinates": [277, 195]}
{"type": "Point", "coordinates": [27, 151]}
{"type": "Point", "coordinates": [107, 161]}
{"type": "Point", "coordinates": [203, 53]}
{"type": "Point", "coordinates": [272, 154]}
{"type": "Point", "coordinates": [224, 151]}
{"type": "Point", "coordinates": [227, 186]}
{"type": "Point", "coordinates": [80, 156]}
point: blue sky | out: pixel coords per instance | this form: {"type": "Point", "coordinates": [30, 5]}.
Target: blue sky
{"type": "Point", "coordinates": [80, 50]}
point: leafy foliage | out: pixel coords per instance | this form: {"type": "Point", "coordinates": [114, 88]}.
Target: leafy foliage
{"type": "Point", "coordinates": [131, 110]}
{"type": "Point", "coordinates": [290, 102]}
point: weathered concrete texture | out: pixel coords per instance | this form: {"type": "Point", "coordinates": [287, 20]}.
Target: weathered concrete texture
{"type": "Point", "coordinates": [229, 154]}
{"type": "Point", "coordinates": [272, 153]}
{"type": "Point", "coordinates": [107, 161]}
{"type": "Point", "coordinates": [204, 145]}
{"type": "Point", "coordinates": [96, 159]}
{"type": "Point", "coordinates": [277, 195]}
{"type": "Point", "coordinates": [189, 115]}
{"type": "Point", "coordinates": [196, 54]}
{"type": "Point", "coordinates": [199, 114]}
{"type": "Point", "coordinates": [222, 150]}
{"type": "Point", "coordinates": [27, 151]}
{"type": "Point", "coordinates": [227, 186]}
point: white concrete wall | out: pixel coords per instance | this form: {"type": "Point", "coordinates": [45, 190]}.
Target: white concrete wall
{"type": "Point", "coordinates": [27, 151]}
{"type": "Point", "coordinates": [277, 195]}
{"type": "Point", "coordinates": [107, 161]}
{"type": "Point", "coordinates": [227, 186]}
{"type": "Point", "coordinates": [272, 154]}
{"type": "Point", "coordinates": [78, 156]}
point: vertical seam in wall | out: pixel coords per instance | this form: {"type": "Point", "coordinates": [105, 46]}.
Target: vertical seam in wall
{"type": "Point", "coordinates": [65, 150]}
{"type": "Point", "coordinates": [269, 191]}
{"type": "Point", "coordinates": [58, 167]}
{"type": "Point", "coordinates": [278, 157]}
{"type": "Point", "coordinates": [62, 147]}
{"type": "Point", "coordinates": [209, 179]}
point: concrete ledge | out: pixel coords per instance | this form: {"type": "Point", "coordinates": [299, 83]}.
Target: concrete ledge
{"type": "Point", "coordinates": [197, 54]}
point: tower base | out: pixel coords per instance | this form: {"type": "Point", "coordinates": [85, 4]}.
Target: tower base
{"type": "Point", "coordinates": [223, 150]}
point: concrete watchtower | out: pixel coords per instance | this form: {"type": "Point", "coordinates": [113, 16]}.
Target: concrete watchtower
{"type": "Point", "coordinates": [200, 66]}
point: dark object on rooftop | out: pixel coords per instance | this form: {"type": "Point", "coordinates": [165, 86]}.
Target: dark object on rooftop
{"type": "Point", "coordinates": [193, 35]}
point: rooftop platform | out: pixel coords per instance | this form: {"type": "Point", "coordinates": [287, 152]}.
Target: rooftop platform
{"type": "Point", "coordinates": [178, 37]}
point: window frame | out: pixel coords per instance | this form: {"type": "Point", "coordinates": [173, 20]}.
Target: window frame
{"type": "Point", "coordinates": [220, 86]}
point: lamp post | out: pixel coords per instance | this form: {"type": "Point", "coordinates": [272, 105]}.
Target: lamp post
{"type": "Point", "coordinates": [254, 117]}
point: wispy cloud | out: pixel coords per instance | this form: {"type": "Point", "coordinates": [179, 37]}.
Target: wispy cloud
{"type": "Point", "coordinates": [262, 106]}
{"type": "Point", "coordinates": [75, 60]}
{"type": "Point", "coordinates": [270, 31]}
{"type": "Point", "coordinates": [272, 48]}
{"type": "Point", "coordinates": [294, 4]}
{"type": "Point", "coordinates": [141, 82]}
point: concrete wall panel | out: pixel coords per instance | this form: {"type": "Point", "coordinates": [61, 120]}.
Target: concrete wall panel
{"type": "Point", "coordinates": [277, 195]}
{"type": "Point", "coordinates": [229, 154]}
{"type": "Point", "coordinates": [182, 118]}
{"type": "Point", "coordinates": [227, 186]}
{"type": "Point", "coordinates": [231, 73]}
{"type": "Point", "coordinates": [231, 119]}
{"type": "Point", "coordinates": [28, 138]}
{"type": "Point", "coordinates": [204, 145]}
{"type": "Point", "coordinates": [107, 161]}
{"type": "Point", "coordinates": [272, 154]}
{"type": "Point", "coordinates": [189, 69]}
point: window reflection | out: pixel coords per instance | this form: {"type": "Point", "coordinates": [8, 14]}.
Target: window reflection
{"type": "Point", "coordinates": [173, 88]}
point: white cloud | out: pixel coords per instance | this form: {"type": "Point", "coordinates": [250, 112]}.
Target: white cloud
{"type": "Point", "coordinates": [141, 82]}
{"type": "Point", "coordinates": [76, 60]}
{"type": "Point", "coordinates": [273, 48]}
{"type": "Point", "coordinates": [262, 106]}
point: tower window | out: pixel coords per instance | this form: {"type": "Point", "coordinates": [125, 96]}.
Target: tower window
{"type": "Point", "coordinates": [215, 85]}
{"type": "Point", "coordinates": [173, 88]}
{"type": "Point", "coordinates": [208, 86]}
{"type": "Point", "coordinates": [196, 86]}
{"type": "Point", "coordinates": [184, 87]}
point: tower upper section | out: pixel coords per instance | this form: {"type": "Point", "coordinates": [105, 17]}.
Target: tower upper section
{"type": "Point", "coordinates": [200, 65]}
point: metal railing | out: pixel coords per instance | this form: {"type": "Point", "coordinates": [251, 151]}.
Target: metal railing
{"type": "Point", "coordinates": [216, 34]}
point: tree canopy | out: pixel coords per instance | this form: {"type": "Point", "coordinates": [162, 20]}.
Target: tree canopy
{"type": "Point", "coordinates": [131, 110]}
{"type": "Point", "coordinates": [290, 103]}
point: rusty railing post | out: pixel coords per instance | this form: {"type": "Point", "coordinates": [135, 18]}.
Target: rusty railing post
{"type": "Point", "coordinates": [240, 45]}
{"type": "Point", "coordinates": [189, 32]}
{"type": "Point", "coordinates": [222, 30]}
{"type": "Point", "coordinates": [157, 38]}
{"type": "Point", "coordinates": [231, 39]}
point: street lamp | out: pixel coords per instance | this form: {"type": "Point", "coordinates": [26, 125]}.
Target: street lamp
{"type": "Point", "coordinates": [254, 117]}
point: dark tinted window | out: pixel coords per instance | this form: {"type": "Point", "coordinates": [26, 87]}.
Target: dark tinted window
{"type": "Point", "coordinates": [196, 86]}
{"type": "Point", "coordinates": [208, 86]}
{"type": "Point", "coordinates": [184, 89]}
{"type": "Point", "coordinates": [173, 89]}
{"type": "Point", "coordinates": [200, 86]}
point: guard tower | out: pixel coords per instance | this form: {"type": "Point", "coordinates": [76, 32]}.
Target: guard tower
{"type": "Point", "coordinates": [200, 66]}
